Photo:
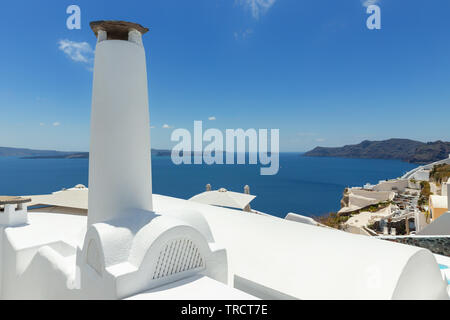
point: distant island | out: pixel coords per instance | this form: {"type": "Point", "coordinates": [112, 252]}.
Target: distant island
{"type": "Point", "coordinates": [53, 154]}
{"type": "Point", "coordinates": [75, 155]}
{"type": "Point", "coordinates": [399, 149]}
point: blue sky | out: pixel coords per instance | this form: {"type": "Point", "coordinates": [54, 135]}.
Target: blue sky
{"type": "Point", "coordinates": [309, 68]}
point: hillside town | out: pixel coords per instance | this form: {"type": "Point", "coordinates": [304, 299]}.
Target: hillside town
{"type": "Point", "coordinates": [411, 209]}
{"type": "Point", "coordinates": [411, 204]}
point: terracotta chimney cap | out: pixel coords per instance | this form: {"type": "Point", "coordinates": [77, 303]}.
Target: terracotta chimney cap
{"type": "Point", "coordinates": [115, 29]}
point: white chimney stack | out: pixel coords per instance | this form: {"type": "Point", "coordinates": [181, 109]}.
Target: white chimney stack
{"type": "Point", "coordinates": [120, 154]}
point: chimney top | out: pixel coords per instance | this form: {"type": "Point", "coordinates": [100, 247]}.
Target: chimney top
{"type": "Point", "coordinates": [115, 29]}
{"type": "Point", "coordinates": [13, 200]}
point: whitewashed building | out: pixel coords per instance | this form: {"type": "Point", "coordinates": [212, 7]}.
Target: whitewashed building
{"type": "Point", "coordinates": [137, 245]}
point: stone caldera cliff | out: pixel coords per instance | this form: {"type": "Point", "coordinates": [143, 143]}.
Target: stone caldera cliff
{"type": "Point", "coordinates": [400, 149]}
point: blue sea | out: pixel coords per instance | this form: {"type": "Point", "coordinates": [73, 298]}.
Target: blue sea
{"type": "Point", "coordinates": [305, 185]}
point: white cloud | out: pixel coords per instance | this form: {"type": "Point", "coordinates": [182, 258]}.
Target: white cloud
{"type": "Point", "coordinates": [166, 126]}
{"type": "Point", "coordinates": [320, 140]}
{"type": "Point", "coordinates": [212, 118]}
{"type": "Point", "coordinates": [42, 124]}
{"type": "Point", "coordinates": [77, 51]}
{"type": "Point", "coordinates": [56, 124]}
{"type": "Point", "coordinates": [367, 3]}
{"type": "Point", "coordinates": [243, 35]}
{"type": "Point", "coordinates": [257, 7]}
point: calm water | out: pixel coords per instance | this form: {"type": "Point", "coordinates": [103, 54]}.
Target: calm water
{"type": "Point", "coordinates": [309, 186]}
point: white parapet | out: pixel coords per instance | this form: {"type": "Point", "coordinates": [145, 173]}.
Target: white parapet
{"type": "Point", "coordinates": [302, 219]}
{"type": "Point", "coordinates": [119, 163]}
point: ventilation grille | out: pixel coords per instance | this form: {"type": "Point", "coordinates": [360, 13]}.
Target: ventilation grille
{"type": "Point", "coordinates": [178, 256]}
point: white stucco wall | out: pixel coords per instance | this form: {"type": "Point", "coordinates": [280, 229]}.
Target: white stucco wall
{"type": "Point", "coordinates": [359, 198]}
{"type": "Point", "coordinates": [14, 215]}
{"type": "Point", "coordinates": [28, 270]}
{"type": "Point", "coordinates": [419, 220]}
{"type": "Point", "coordinates": [295, 259]}
{"type": "Point", "coordinates": [378, 195]}
{"type": "Point", "coordinates": [438, 227]}
{"type": "Point", "coordinates": [421, 175]}
{"type": "Point", "coordinates": [290, 258]}
{"type": "Point", "coordinates": [444, 189]}
{"type": "Point", "coordinates": [356, 201]}
{"type": "Point", "coordinates": [400, 184]}
{"type": "Point", "coordinates": [448, 196]}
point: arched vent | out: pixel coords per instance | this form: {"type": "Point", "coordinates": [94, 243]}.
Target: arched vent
{"type": "Point", "coordinates": [178, 256]}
